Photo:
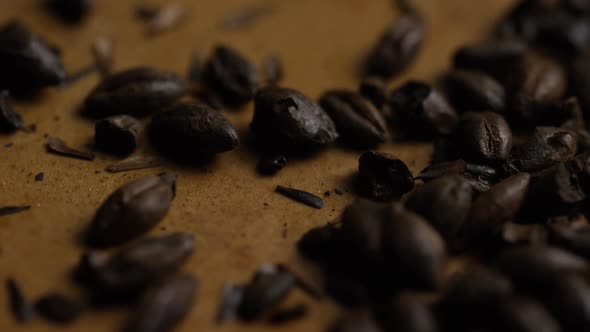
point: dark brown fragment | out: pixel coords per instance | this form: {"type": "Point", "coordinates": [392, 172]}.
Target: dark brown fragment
{"type": "Point", "coordinates": [134, 163]}
{"type": "Point", "coordinates": [19, 306]}
{"type": "Point", "coordinates": [6, 210]}
{"type": "Point", "coordinates": [301, 196]}
{"type": "Point", "coordinates": [288, 315]}
{"type": "Point", "coordinates": [131, 210]}
{"type": "Point", "coordinates": [40, 176]}
{"type": "Point", "coordinates": [9, 119]}
{"type": "Point", "coordinates": [58, 308]}
{"type": "Point", "coordinates": [383, 177]}
{"type": "Point", "coordinates": [231, 298]}
{"type": "Point", "coordinates": [58, 146]}
{"type": "Point", "coordinates": [397, 47]}
{"type": "Point", "coordinates": [357, 120]}
{"type": "Point", "coordinates": [117, 134]}
{"type": "Point", "coordinates": [164, 306]}
{"type": "Point", "coordinates": [436, 170]}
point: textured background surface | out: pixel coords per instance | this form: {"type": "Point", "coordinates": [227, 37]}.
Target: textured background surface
{"type": "Point", "coordinates": [321, 43]}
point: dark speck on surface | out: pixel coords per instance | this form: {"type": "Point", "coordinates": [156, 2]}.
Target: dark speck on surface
{"type": "Point", "coordinates": [327, 193]}
{"type": "Point", "coordinates": [338, 191]}
{"type": "Point", "coordinates": [8, 145]}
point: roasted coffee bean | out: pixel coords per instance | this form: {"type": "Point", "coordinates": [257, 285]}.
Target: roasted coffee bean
{"type": "Point", "coordinates": [357, 120]}
{"type": "Point", "coordinates": [523, 314]}
{"type": "Point", "coordinates": [319, 243]}
{"type": "Point", "coordinates": [71, 10]}
{"type": "Point", "coordinates": [288, 118]}
{"type": "Point", "coordinates": [532, 266]}
{"type": "Point", "coordinates": [568, 298]}
{"type": "Point", "coordinates": [117, 134]}
{"type": "Point", "coordinates": [383, 177]}
{"type": "Point", "coordinates": [555, 191]}
{"type": "Point", "coordinates": [231, 76]}
{"type": "Point", "coordinates": [444, 203]}
{"type": "Point", "coordinates": [272, 164]}
{"type": "Point", "coordinates": [542, 81]}
{"type": "Point", "coordinates": [513, 233]}
{"type": "Point", "coordinates": [27, 62]}
{"type": "Point", "coordinates": [422, 111]}
{"type": "Point", "coordinates": [407, 312]}
{"type": "Point", "coordinates": [563, 33]}
{"type": "Point", "coordinates": [9, 119]}
{"type": "Point", "coordinates": [21, 309]}
{"type": "Point", "coordinates": [288, 315]}
{"type": "Point", "coordinates": [397, 47]}
{"type": "Point", "coordinates": [132, 270]}
{"type": "Point", "coordinates": [192, 131]}
{"type": "Point", "coordinates": [58, 308]}
{"type": "Point", "coordinates": [301, 196]}
{"type": "Point", "coordinates": [437, 170]}
{"type": "Point", "coordinates": [355, 323]}
{"type": "Point", "coordinates": [566, 114]}
{"type": "Point", "coordinates": [475, 91]}
{"type": "Point", "coordinates": [361, 232]}
{"type": "Point", "coordinates": [468, 299]}
{"type": "Point", "coordinates": [131, 210]}
{"type": "Point", "coordinates": [164, 306]}
{"type": "Point", "coordinates": [480, 177]}
{"type": "Point", "coordinates": [272, 68]}
{"type": "Point", "coordinates": [137, 91]}
{"type": "Point", "coordinates": [575, 239]}
{"type": "Point", "coordinates": [500, 59]}
{"type": "Point", "coordinates": [548, 146]}
{"type": "Point", "coordinates": [483, 137]}
{"type": "Point", "coordinates": [231, 298]}
{"type": "Point", "coordinates": [374, 89]}
{"type": "Point", "coordinates": [60, 147]}
{"type": "Point", "coordinates": [415, 252]}
{"type": "Point", "coordinates": [492, 209]}
{"type": "Point", "coordinates": [266, 289]}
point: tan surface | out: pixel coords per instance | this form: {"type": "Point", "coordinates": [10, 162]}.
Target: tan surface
{"type": "Point", "coordinates": [321, 43]}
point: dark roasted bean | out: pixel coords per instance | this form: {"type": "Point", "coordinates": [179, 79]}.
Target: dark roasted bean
{"type": "Point", "coordinates": [397, 47]}
{"type": "Point", "coordinates": [164, 306]}
{"type": "Point", "coordinates": [231, 298]}
{"type": "Point", "coordinates": [318, 243]}
{"type": "Point", "coordinates": [231, 76]}
{"type": "Point", "coordinates": [532, 266]}
{"type": "Point", "coordinates": [6, 210]}
{"type": "Point", "coordinates": [563, 33]}
{"type": "Point", "coordinates": [513, 233]}
{"type": "Point", "coordinates": [483, 137]}
{"type": "Point", "coordinates": [301, 196]}
{"type": "Point", "coordinates": [411, 245]}
{"type": "Point", "coordinates": [407, 312]}
{"type": "Point", "coordinates": [288, 315]}
{"type": "Point", "coordinates": [192, 131]}
{"type": "Point", "coordinates": [357, 120]}
{"type": "Point", "coordinates": [437, 170]}
{"type": "Point", "coordinates": [566, 114]}
{"type": "Point", "coordinates": [568, 298]}
{"type": "Point", "coordinates": [475, 91]}
{"type": "Point", "coordinates": [383, 177]}
{"type": "Point", "coordinates": [271, 165]}
{"type": "Point", "coordinates": [548, 146]}
{"type": "Point", "coordinates": [71, 10]}
{"type": "Point", "coordinates": [117, 134]}
{"type": "Point", "coordinates": [266, 289]}
{"type": "Point", "coordinates": [129, 272]}
{"type": "Point", "coordinates": [421, 111]}
{"type": "Point", "coordinates": [58, 308]}
{"type": "Point", "coordinates": [9, 119]}
{"type": "Point", "coordinates": [27, 62]}
{"type": "Point", "coordinates": [287, 117]}
{"type": "Point", "coordinates": [522, 314]}
{"type": "Point", "coordinates": [19, 306]}
{"type": "Point", "coordinates": [444, 203]}
{"type": "Point", "coordinates": [542, 81]}
{"type": "Point", "coordinates": [374, 89]}
{"type": "Point", "coordinates": [137, 91]}
{"type": "Point", "coordinates": [500, 59]}
{"type": "Point", "coordinates": [131, 210]}
{"type": "Point", "coordinates": [60, 147]}
{"type": "Point", "coordinates": [272, 68]}
{"type": "Point", "coordinates": [492, 209]}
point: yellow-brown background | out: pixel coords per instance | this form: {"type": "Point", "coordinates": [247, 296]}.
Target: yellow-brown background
{"type": "Point", "coordinates": [321, 43]}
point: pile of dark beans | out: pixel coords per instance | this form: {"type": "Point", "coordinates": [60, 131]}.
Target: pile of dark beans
{"type": "Point", "coordinates": [491, 236]}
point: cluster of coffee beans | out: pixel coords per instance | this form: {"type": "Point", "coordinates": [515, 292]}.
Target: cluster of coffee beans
{"type": "Point", "coordinates": [491, 236]}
